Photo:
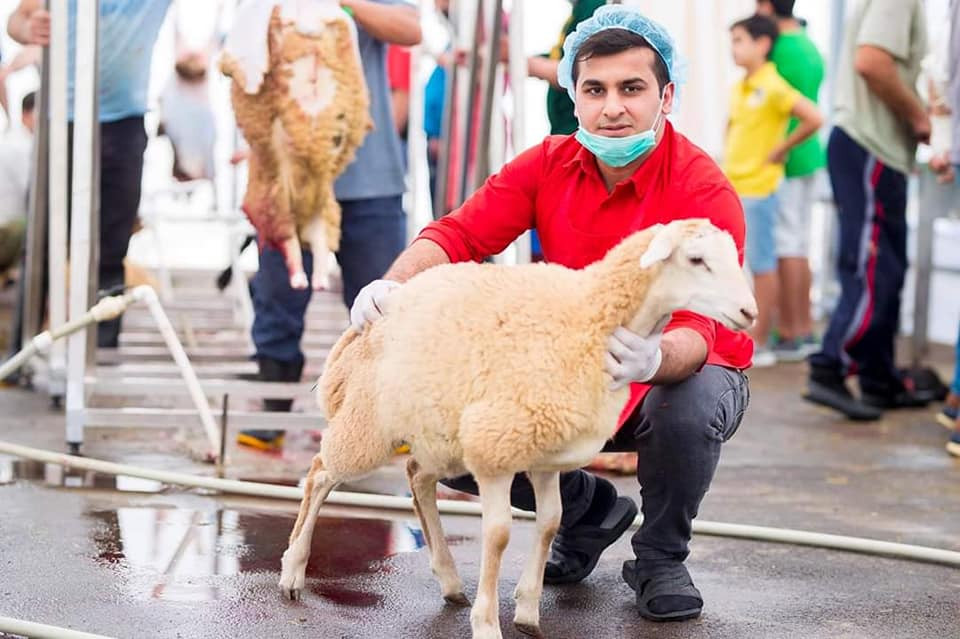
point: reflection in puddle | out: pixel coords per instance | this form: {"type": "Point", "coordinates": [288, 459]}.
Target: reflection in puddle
{"type": "Point", "coordinates": [13, 469]}
{"type": "Point", "coordinates": [175, 554]}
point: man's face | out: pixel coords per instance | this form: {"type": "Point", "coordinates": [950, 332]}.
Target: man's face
{"type": "Point", "coordinates": [617, 95]}
{"type": "Point", "coordinates": [765, 8]}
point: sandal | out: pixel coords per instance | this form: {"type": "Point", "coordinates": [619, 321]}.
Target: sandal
{"type": "Point", "coordinates": [669, 581]}
{"type": "Point", "coordinates": [576, 550]}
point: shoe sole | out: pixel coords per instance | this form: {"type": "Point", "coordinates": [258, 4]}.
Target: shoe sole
{"type": "Point", "coordinates": [953, 448]}
{"type": "Point", "coordinates": [823, 396]}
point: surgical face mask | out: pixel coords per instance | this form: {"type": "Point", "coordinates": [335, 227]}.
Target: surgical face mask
{"type": "Point", "coordinates": [619, 152]}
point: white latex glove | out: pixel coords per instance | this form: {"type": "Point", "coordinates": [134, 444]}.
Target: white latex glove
{"type": "Point", "coordinates": [369, 303]}
{"type": "Point", "coordinates": [632, 358]}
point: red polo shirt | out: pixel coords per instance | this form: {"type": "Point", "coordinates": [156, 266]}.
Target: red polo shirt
{"type": "Point", "coordinates": [557, 189]}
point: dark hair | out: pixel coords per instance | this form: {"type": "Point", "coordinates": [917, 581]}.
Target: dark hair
{"type": "Point", "coordinates": [614, 41]}
{"type": "Point", "coordinates": [782, 8]}
{"type": "Point", "coordinates": [759, 27]}
{"type": "Point", "coordinates": [28, 103]}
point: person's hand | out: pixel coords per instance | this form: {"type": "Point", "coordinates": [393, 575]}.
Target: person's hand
{"type": "Point", "coordinates": [631, 357]}
{"type": "Point", "coordinates": [942, 167]}
{"type": "Point", "coordinates": [370, 303]}
{"type": "Point", "coordinates": [239, 156]}
{"type": "Point", "coordinates": [38, 27]}
{"type": "Point", "coordinates": [777, 156]}
{"type": "Point", "coordinates": [920, 127]}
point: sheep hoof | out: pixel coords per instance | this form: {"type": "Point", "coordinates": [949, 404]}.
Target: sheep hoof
{"type": "Point", "coordinates": [291, 594]}
{"type": "Point", "coordinates": [321, 283]}
{"type": "Point", "coordinates": [528, 629]}
{"type": "Point", "coordinates": [298, 281]}
{"type": "Point", "coordinates": [458, 599]}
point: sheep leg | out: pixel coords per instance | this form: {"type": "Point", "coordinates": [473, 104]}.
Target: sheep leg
{"type": "Point", "coordinates": [316, 234]}
{"type": "Point", "coordinates": [294, 561]}
{"type": "Point", "coordinates": [424, 489]}
{"type": "Point", "coordinates": [546, 489]}
{"type": "Point", "coordinates": [495, 498]}
{"type": "Point", "coordinates": [294, 261]}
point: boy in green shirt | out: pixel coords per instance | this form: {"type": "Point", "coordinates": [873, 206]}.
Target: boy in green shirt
{"type": "Point", "coordinates": [799, 63]}
{"type": "Point", "coordinates": [559, 104]}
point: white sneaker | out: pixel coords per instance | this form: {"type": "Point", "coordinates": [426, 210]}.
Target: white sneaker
{"type": "Point", "coordinates": [763, 357]}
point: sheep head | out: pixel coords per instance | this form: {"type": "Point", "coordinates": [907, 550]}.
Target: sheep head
{"type": "Point", "coordinates": [699, 270]}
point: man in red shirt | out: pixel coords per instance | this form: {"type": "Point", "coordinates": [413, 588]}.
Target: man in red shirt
{"type": "Point", "coordinates": [624, 170]}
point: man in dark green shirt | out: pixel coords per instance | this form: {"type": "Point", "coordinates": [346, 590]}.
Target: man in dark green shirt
{"type": "Point", "coordinates": [799, 63]}
{"type": "Point", "coordinates": [559, 104]}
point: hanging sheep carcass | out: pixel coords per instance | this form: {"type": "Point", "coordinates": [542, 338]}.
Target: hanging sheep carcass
{"type": "Point", "coordinates": [300, 99]}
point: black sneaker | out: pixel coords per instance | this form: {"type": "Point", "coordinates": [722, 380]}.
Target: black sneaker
{"type": "Point", "coordinates": [892, 395]}
{"type": "Point", "coordinates": [827, 388]}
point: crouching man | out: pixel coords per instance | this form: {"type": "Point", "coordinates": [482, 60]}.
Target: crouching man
{"type": "Point", "coordinates": [625, 169]}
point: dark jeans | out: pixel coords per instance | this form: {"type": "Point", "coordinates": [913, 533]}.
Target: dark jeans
{"type": "Point", "coordinates": [122, 144]}
{"type": "Point", "coordinates": [373, 233]}
{"type": "Point", "coordinates": [677, 432]}
{"type": "Point", "coordinates": [871, 264]}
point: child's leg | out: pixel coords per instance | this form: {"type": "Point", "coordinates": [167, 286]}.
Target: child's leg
{"type": "Point", "coordinates": [761, 257]}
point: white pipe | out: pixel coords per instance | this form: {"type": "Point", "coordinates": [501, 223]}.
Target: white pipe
{"type": "Point", "coordinates": [42, 631]}
{"type": "Point", "coordinates": [149, 296]}
{"type": "Point", "coordinates": [451, 507]}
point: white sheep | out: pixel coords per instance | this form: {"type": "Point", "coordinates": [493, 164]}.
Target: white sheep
{"type": "Point", "coordinates": [495, 370]}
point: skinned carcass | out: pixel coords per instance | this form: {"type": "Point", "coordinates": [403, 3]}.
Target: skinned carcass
{"type": "Point", "coordinates": [300, 99]}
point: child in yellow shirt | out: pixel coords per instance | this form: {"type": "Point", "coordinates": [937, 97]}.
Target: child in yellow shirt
{"type": "Point", "coordinates": [757, 144]}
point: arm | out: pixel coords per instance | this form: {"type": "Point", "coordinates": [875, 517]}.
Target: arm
{"type": "Point", "coordinates": [396, 24]}
{"type": "Point", "coordinates": [400, 103]}
{"type": "Point", "coordinates": [30, 23]}
{"type": "Point", "coordinates": [879, 70]}
{"type": "Point", "coordinates": [543, 68]}
{"type": "Point", "coordinates": [419, 256]}
{"type": "Point", "coordinates": [810, 119]}
{"type": "Point", "coordinates": [684, 352]}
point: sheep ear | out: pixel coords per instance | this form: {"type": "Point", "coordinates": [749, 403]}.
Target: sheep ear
{"type": "Point", "coordinates": [659, 249]}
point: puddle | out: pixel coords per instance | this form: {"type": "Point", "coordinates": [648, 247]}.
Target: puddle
{"type": "Point", "coordinates": [179, 554]}
{"type": "Point", "coordinates": [13, 469]}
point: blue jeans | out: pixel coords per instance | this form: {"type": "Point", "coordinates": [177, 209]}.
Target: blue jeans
{"type": "Point", "coordinates": [373, 233]}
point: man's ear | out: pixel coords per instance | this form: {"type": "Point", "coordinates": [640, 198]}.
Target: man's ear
{"type": "Point", "coordinates": [669, 92]}
{"type": "Point", "coordinates": [660, 247]}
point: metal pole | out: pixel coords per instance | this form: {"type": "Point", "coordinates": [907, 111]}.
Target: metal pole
{"type": "Point", "coordinates": [466, 140]}
{"type": "Point", "coordinates": [447, 127]}
{"type": "Point", "coordinates": [518, 79]}
{"type": "Point", "coordinates": [57, 189]}
{"type": "Point", "coordinates": [84, 212]}
{"type": "Point", "coordinates": [32, 298]}
{"type": "Point", "coordinates": [491, 64]}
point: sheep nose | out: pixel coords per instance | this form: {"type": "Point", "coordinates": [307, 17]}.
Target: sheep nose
{"type": "Point", "coordinates": [749, 314]}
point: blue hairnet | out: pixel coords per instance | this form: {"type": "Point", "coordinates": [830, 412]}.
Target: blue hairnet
{"type": "Point", "coordinates": [613, 16]}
